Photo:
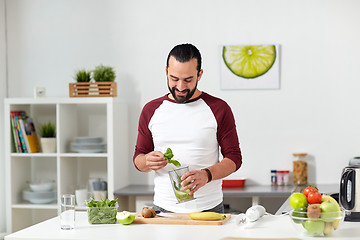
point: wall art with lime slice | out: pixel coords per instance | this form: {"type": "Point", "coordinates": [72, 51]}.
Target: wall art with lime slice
{"type": "Point", "coordinates": [249, 61]}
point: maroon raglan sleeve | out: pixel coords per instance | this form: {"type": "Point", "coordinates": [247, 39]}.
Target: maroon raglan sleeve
{"type": "Point", "coordinates": [144, 143]}
{"type": "Point", "coordinates": [226, 133]}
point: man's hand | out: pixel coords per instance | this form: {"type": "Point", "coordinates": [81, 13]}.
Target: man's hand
{"type": "Point", "coordinates": [197, 179]}
{"type": "Point", "coordinates": [155, 160]}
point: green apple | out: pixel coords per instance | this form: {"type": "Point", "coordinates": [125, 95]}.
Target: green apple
{"type": "Point", "coordinates": [329, 211]}
{"type": "Point", "coordinates": [299, 215]}
{"type": "Point", "coordinates": [298, 200]}
{"type": "Point", "coordinates": [125, 217]}
{"type": "Point", "coordinates": [314, 227]}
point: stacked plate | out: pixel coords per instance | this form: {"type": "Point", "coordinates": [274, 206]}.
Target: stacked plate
{"type": "Point", "coordinates": [40, 192]}
{"type": "Point", "coordinates": [88, 145]}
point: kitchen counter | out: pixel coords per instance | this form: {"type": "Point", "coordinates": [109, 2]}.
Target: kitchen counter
{"type": "Point", "coordinates": [144, 193]}
{"type": "Point", "coordinates": [246, 191]}
{"type": "Point", "coordinates": [254, 192]}
{"type": "Point", "coordinates": [269, 226]}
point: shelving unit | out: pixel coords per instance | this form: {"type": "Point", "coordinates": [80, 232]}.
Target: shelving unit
{"type": "Point", "coordinates": [94, 117]}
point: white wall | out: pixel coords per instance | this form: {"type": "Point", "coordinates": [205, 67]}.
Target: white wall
{"type": "Point", "coordinates": [314, 111]}
{"type": "Point", "coordinates": [2, 96]}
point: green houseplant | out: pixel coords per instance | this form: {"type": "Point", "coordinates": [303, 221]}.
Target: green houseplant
{"type": "Point", "coordinates": [82, 76]}
{"type": "Point", "coordinates": [104, 74]}
{"type": "Point", "coordinates": [48, 137]}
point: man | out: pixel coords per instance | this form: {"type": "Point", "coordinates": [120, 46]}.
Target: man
{"type": "Point", "coordinates": [193, 124]}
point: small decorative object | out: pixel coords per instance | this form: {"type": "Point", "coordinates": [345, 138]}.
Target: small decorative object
{"type": "Point", "coordinates": [250, 67]}
{"type": "Point", "coordinates": [48, 138]}
{"type": "Point", "coordinates": [102, 84]}
{"type": "Point", "coordinates": [39, 92]}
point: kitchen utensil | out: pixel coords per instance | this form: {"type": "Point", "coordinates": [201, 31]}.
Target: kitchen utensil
{"type": "Point", "coordinates": [162, 214]}
{"type": "Point", "coordinates": [184, 219]}
{"type": "Point", "coordinates": [349, 196]}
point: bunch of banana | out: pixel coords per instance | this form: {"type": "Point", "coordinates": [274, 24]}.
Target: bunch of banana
{"type": "Point", "coordinates": [208, 216]}
{"type": "Point", "coordinates": [329, 226]}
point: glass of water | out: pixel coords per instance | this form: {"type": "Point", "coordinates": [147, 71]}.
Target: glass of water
{"type": "Point", "coordinates": [67, 214]}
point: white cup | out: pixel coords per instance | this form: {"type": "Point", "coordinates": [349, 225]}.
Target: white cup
{"type": "Point", "coordinates": [81, 196]}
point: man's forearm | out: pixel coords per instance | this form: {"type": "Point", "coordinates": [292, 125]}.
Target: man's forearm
{"type": "Point", "coordinates": [140, 163]}
{"type": "Point", "coordinates": [222, 169]}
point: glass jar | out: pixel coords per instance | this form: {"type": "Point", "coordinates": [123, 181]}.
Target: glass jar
{"type": "Point", "coordinates": [273, 178]}
{"type": "Point", "coordinates": [300, 169]}
{"type": "Point", "coordinates": [283, 178]}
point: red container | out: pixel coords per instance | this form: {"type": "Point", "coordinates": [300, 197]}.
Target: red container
{"type": "Point", "coordinates": [233, 183]}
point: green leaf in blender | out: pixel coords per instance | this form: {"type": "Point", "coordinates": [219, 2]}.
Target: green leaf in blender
{"type": "Point", "coordinates": [169, 155]}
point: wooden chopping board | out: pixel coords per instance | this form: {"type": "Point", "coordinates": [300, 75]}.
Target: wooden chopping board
{"type": "Point", "coordinates": [183, 219]}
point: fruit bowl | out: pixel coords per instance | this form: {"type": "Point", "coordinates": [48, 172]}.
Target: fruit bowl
{"type": "Point", "coordinates": [322, 226]}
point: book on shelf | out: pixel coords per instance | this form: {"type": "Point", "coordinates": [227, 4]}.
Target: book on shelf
{"type": "Point", "coordinates": [23, 132]}
{"type": "Point", "coordinates": [31, 136]}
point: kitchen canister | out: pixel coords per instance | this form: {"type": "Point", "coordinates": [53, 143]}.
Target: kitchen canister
{"type": "Point", "coordinates": [300, 169]}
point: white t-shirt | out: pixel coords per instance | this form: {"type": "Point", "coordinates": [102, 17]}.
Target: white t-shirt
{"type": "Point", "coordinates": [193, 130]}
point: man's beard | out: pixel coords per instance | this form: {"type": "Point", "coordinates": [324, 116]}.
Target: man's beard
{"type": "Point", "coordinates": [182, 99]}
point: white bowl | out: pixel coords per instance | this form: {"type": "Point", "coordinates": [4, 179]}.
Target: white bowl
{"type": "Point", "coordinates": [87, 140]}
{"type": "Point", "coordinates": [39, 197]}
{"type": "Point", "coordinates": [41, 186]}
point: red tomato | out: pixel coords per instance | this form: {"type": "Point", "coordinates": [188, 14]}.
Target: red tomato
{"type": "Point", "coordinates": [314, 197]}
{"type": "Point", "coordinates": [309, 189]}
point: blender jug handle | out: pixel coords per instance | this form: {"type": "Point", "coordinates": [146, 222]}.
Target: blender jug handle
{"type": "Point", "coordinates": [346, 200]}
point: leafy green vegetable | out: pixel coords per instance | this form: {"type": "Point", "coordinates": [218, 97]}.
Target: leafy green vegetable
{"type": "Point", "coordinates": [169, 155]}
{"type": "Point", "coordinates": [102, 212]}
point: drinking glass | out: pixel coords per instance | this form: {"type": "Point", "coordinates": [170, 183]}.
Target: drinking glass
{"type": "Point", "coordinates": [175, 178]}
{"type": "Point", "coordinates": [67, 214]}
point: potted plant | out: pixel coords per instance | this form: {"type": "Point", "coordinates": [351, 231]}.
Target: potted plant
{"type": "Point", "coordinates": [106, 75]}
{"type": "Point", "coordinates": [48, 138]}
{"type": "Point", "coordinates": [83, 76]}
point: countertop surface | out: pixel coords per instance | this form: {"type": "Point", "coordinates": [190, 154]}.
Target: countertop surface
{"type": "Point", "coordinates": [246, 191]}
{"type": "Point", "coordinates": [269, 226]}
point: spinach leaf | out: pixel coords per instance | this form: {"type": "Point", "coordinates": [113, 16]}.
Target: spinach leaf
{"type": "Point", "coordinates": [102, 212]}
{"type": "Point", "coordinates": [169, 155]}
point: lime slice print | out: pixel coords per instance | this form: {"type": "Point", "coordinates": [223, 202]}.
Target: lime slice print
{"type": "Point", "coordinates": [249, 61]}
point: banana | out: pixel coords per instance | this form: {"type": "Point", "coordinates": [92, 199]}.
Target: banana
{"type": "Point", "coordinates": [328, 228]}
{"type": "Point", "coordinates": [206, 216]}
{"type": "Point", "coordinates": [324, 198]}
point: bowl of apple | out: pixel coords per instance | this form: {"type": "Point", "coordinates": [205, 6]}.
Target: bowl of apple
{"type": "Point", "coordinates": [323, 225]}
{"type": "Point", "coordinates": [315, 216]}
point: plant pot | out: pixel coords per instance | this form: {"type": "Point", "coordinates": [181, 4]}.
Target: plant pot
{"type": "Point", "coordinates": [48, 145]}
